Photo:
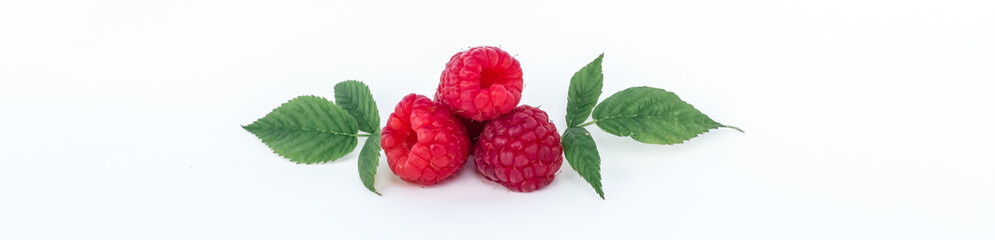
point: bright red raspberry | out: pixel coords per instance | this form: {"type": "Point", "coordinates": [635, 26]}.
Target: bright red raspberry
{"type": "Point", "coordinates": [481, 83]}
{"type": "Point", "coordinates": [520, 150]}
{"type": "Point", "coordinates": [423, 142]}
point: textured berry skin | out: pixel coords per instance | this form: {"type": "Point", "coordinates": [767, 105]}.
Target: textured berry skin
{"type": "Point", "coordinates": [520, 150]}
{"type": "Point", "coordinates": [481, 83]}
{"type": "Point", "coordinates": [423, 142]}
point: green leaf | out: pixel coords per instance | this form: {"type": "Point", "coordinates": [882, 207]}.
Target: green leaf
{"type": "Point", "coordinates": [652, 115]}
{"type": "Point", "coordinates": [369, 158]}
{"type": "Point", "coordinates": [585, 88]}
{"type": "Point", "coordinates": [582, 154]}
{"type": "Point", "coordinates": [307, 129]}
{"type": "Point", "coordinates": [355, 98]}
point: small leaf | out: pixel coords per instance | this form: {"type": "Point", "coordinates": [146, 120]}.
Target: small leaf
{"type": "Point", "coordinates": [651, 115]}
{"type": "Point", "coordinates": [585, 88]}
{"type": "Point", "coordinates": [582, 154]}
{"type": "Point", "coordinates": [369, 158]}
{"type": "Point", "coordinates": [307, 129]}
{"type": "Point", "coordinates": [355, 98]}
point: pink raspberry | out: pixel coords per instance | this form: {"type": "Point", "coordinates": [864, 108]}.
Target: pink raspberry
{"type": "Point", "coordinates": [520, 150]}
{"type": "Point", "coordinates": [423, 142]}
{"type": "Point", "coordinates": [481, 83]}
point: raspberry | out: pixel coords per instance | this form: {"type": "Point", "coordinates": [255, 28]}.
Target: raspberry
{"type": "Point", "coordinates": [520, 150]}
{"type": "Point", "coordinates": [423, 142]}
{"type": "Point", "coordinates": [481, 83]}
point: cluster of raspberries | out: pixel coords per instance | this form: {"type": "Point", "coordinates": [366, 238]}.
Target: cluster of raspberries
{"type": "Point", "coordinates": [475, 109]}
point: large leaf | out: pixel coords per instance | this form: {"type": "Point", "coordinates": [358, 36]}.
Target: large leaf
{"type": "Point", "coordinates": [651, 115]}
{"type": "Point", "coordinates": [582, 154]}
{"type": "Point", "coordinates": [355, 98]}
{"type": "Point", "coordinates": [585, 88]}
{"type": "Point", "coordinates": [307, 129]}
{"type": "Point", "coordinates": [369, 158]}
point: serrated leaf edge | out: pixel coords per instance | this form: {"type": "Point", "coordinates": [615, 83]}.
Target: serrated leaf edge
{"type": "Point", "coordinates": [572, 102]}
{"type": "Point", "coordinates": [374, 125]}
{"type": "Point", "coordinates": [596, 121]}
{"type": "Point", "coordinates": [370, 140]}
{"type": "Point", "coordinates": [249, 127]}
{"type": "Point", "coordinates": [595, 183]}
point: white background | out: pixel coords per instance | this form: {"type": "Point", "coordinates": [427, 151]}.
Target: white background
{"type": "Point", "coordinates": [863, 119]}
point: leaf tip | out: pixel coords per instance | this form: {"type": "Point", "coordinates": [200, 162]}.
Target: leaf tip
{"type": "Point", "coordinates": [251, 127]}
{"type": "Point", "coordinates": [734, 128]}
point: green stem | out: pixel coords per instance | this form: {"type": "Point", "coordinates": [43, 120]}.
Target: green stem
{"type": "Point", "coordinates": [363, 135]}
{"type": "Point", "coordinates": [587, 123]}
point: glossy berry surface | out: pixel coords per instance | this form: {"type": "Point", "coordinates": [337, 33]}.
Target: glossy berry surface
{"type": "Point", "coordinates": [520, 150]}
{"type": "Point", "coordinates": [423, 142]}
{"type": "Point", "coordinates": [480, 83]}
